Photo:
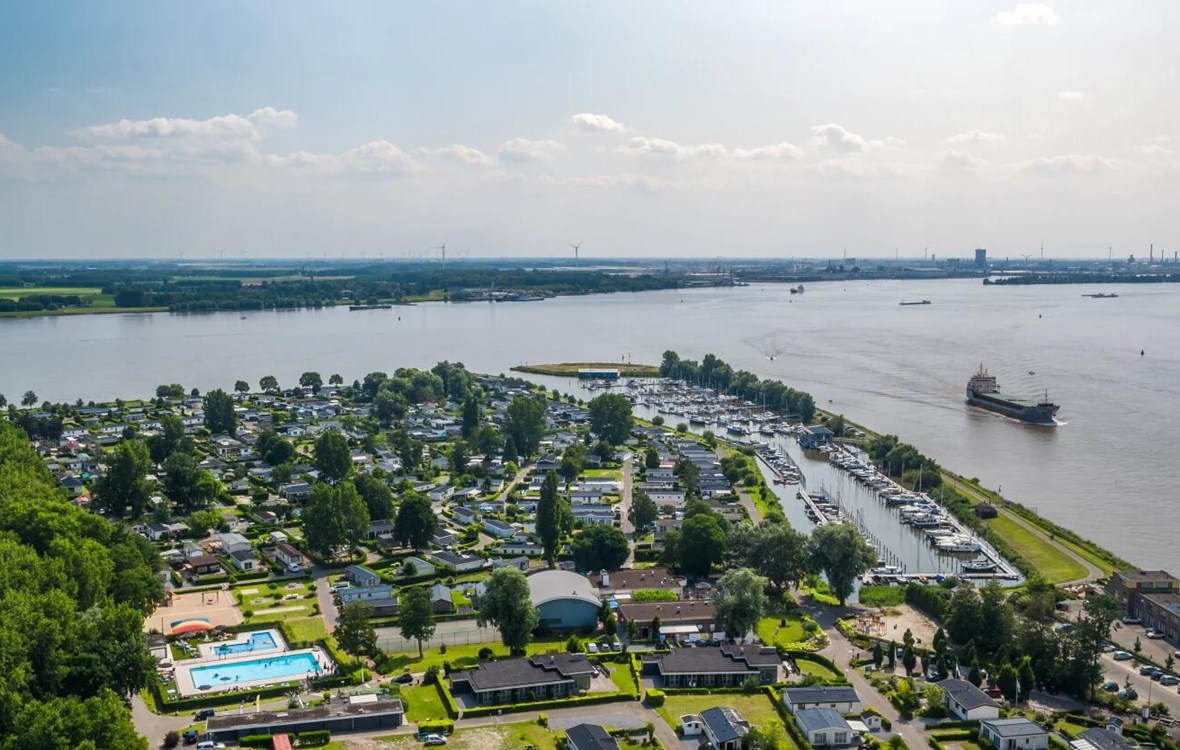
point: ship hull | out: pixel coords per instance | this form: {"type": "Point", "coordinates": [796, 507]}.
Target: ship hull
{"type": "Point", "coordinates": [1038, 414]}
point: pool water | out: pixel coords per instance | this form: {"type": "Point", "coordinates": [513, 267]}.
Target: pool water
{"type": "Point", "coordinates": [274, 668]}
{"type": "Point", "coordinates": [257, 642]}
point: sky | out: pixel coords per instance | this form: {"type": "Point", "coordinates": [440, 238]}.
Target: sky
{"type": "Point", "coordinates": [657, 128]}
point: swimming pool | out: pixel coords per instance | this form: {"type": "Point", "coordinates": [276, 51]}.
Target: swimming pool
{"type": "Point", "coordinates": [269, 668]}
{"type": "Point", "coordinates": [262, 641]}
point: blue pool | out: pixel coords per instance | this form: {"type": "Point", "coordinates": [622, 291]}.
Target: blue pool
{"type": "Point", "coordinates": [274, 668]}
{"type": "Point", "coordinates": [258, 642]}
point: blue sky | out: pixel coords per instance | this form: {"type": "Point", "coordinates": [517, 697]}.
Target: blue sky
{"type": "Point", "coordinates": [653, 128]}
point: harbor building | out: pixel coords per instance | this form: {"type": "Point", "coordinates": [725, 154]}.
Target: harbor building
{"type": "Point", "coordinates": [1130, 586]}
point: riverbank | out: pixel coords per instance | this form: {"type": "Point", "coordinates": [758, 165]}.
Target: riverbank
{"type": "Point", "coordinates": [570, 369]}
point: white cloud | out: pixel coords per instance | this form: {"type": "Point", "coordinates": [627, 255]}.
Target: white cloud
{"type": "Point", "coordinates": [976, 136]}
{"type": "Point", "coordinates": [1028, 14]}
{"type": "Point", "coordinates": [1157, 146]}
{"type": "Point", "coordinates": [955, 159]}
{"type": "Point", "coordinates": [1071, 96]}
{"type": "Point", "coordinates": [837, 137]}
{"type": "Point", "coordinates": [8, 149]}
{"type": "Point", "coordinates": [1069, 164]}
{"type": "Point", "coordinates": [592, 123]}
{"type": "Point", "coordinates": [457, 153]}
{"type": "Point", "coordinates": [773, 152]}
{"type": "Point", "coordinates": [641, 146]}
{"type": "Point", "coordinates": [374, 157]}
{"type": "Point", "coordinates": [221, 126]}
{"type": "Point", "coordinates": [526, 150]}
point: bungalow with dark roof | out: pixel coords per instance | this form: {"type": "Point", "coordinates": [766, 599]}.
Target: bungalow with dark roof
{"type": "Point", "coordinates": [724, 727]}
{"type": "Point", "coordinates": [679, 621]}
{"type": "Point", "coordinates": [1014, 734]}
{"type": "Point", "coordinates": [589, 737]}
{"type": "Point", "coordinates": [540, 677]}
{"type": "Point", "coordinates": [728, 665]}
{"type": "Point", "coordinates": [841, 698]}
{"type": "Point", "coordinates": [824, 727]}
{"type": "Point", "coordinates": [966, 702]}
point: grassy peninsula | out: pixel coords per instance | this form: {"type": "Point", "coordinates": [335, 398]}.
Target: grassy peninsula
{"type": "Point", "coordinates": [570, 369]}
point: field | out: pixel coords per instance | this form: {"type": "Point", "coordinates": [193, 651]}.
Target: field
{"type": "Point", "coordinates": [16, 292]}
{"type": "Point", "coordinates": [755, 709]}
{"type": "Point", "coordinates": [881, 596]}
{"type": "Point", "coordinates": [260, 601]}
{"type": "Point", "coordinates": [423, 702]}
{"type": "Point", "coordinates": [570, 369]}
{"type": "Point", "coordinates": [815, 669]}
{"type": "Point", "coordinates": [1052, 563]}
{"type": "Point", "coordinates": [306, 628]}
{"type": "Point", "coordinates": [463, 656]}
{"type": "Point", "coordinates": [773, 634]}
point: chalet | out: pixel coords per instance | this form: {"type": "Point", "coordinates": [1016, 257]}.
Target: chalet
{"type": "Point", "coordinates": [421, 567]}
{"type": "Point", "coordinates": [380, 597]}
{"type": "Point", "coordinates": [497, 528]}
{"type": "Point", "coordinates": [628, 581]}
{"type": "Point", "coordinates": [464, 516]}
{"type": "Point", "coordinates": [842, 699]}
{"type": "Point", "coordinates": [440, 599]}
{"type": "Point", "coordinates": [296, 491]}
{"type": "Point", "coordinates": [231, 542]}
{"type": "Point", "coordinates": [966, 702]}
{"type": "Point", "coordinates": [1014, 734]}
{"type": "Point", "coordinates": [203, 565]}
{"type": "Point", "coordinates": [728, 665]}
{"type": "Point", "coordinates": [457, 562]}
{"type": "Point", "coordinates": [444, 540]}
{"type": "Point", "coordinates": [441, 494]}
{"type": "Point", "coordinates": [520, 563]}
{"type": "Point", "coordinates": [724, 727]}
{"type": "Point", "coordinates": [73, 485]}
{"type": "Point", "coordinates": [528, 549]}
{"type": "Point", "coordinates": [597, 515]}
{"type": "Point", "coordinates": [824, 727]}
{"type": "Point", "coordinates": [679, 621]}
{"type": "Point", "coordinates": [589, 737]}
{"type": "Point", "coordinates": [244, 560]}
{"type": "Point", "coordinates": [361, 576]}
{"type": "Point", "coordinates": [540, 677]}
{"type": "Point", "coordinates": [288, 555]}
{"type": "Point", "coordinates": [1101, 738]}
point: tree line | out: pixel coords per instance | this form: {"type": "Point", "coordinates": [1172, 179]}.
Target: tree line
{"type": "Point", "coordinates": [713, 372]}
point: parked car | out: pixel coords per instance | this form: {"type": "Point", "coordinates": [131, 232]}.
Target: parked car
{"type": "Point", "coordinates": [1154, 634]}
{"type": "Point", "coordinates": [1107, 648]}
{"type": "Point", "coordinates": [1130, 694]}
{"type": "Point", "coordinates": [404, 677]}
{"type": "Point", "coordinates": [592, 647]}
{"type": "Point", "coordinates": [1110, 686]}
{"type": "Point", "coordinates": [434, 739]}
{"type": "Point", "coordinates": [210, 745]}
{"type": "Point", "coordinates": [1170, 679]}
{"type": "Point", "coordinates": [1147, 669]}
{"type": "Point", "coordinates": [204, 713]}
{"type": "Point", "coordinates": [294, 568]}
{"type": "Point", "coordinates": [341, 585]}
{"type": "Point", "coordinates": [1128, 620]}
{"type": "Point", "coordinates": [1122, 655]}
{"type": "Point", "coordinates": [190, 736]}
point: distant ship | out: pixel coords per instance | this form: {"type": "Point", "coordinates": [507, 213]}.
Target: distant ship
{"type": "Point", "coordinates": [984, 392]}
{"type": "Point", "coordinates": [1101, 295]}
{"type": "Point", "coordinates": [923, 302]}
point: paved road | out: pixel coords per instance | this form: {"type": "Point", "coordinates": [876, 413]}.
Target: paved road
{"type": "Point", "coordinates": [1155, 649]}
{"type": "Point", "coordinates": [323, 592]}
{"type": "Point", "coordinates": [153, 726]}
{"type": "Point", "coordinates": [1093, 572]}
{"type": "Point", "coordinates": [625, 524]}
{"type": "Point", "coordinates": [1120, 671]}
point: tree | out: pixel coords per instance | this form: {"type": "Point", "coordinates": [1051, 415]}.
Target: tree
{"type": "Point", "coordinates": [274, 449]}
{"type": "Point", "coordinates": [3, 401]}
{"type": "Point", "coordinates": [336, 379]}
{"type": "Point", "coordinates": [377, 496]}
{"type": "Point", "coordinates": [643, 510]}
{"type": "Point", "coordinates": [909, 659]}
{"type": "Point", "coordinates": [333, 459]}
{"type": "Point", "coordinates": [656, 624]}
{"type": "Point", "coordinates": [124, 486]}
{"type": "Point", "coordinates": [188, 485]}
{"type": "Point", "coordinates": [878, 654]}
{"type": "Point", "coordinates": [29, 399]}
{"type": "Point", "coordinates": [1028, 679]}
{"type": "Point", "coordinates": [778, 552]}
{"type": "Point", "coordinates": [688, 477]}
{"type": "Point", "coordinates": [219, 412]}
{"type": "Point", "coordinates": [842, 554]}
{"type": "Point", "coordinates": [892, 655]}
{"type": "Point", "coordinates": [610, 417]}
{"type": "Point", "coordinates": [242, 386]}
{"type": "Point", "coordinates": [311, 380]}
{"type": "Point", "coordinates": [470, 416]}
{"type": "Point", "coordinates": [769, 736]}
{"type": "Point", "coordinates": [524, 422]}
{"type": "Point", "coordinates": [1006, 682]}
{"type": "Point", "coordinates": [175, 390]}
{"type": "Point", "coordinates": [975, 673]}
{"type": "Point", "coordinates": [573, 462]}
{"type": "Point", "coordinates": [549, 517]}
{"type": "Point", "coordinates": [996, 618]}
{"type": "Point", "coordinates": [510, 454]}
{"type": "Point", "coordinates": [459, 457]}
{"type": "Point", "coordinates": [651, 458]}
{"type": "Point", "coordinates": [740, 601]}
{"type": "Point", "coordinates": [701, 545]}
{"type": "Point", "coordinates": [506, 604]}
{"type": "Point", "coordinates": [201, 521]}
{"type": "Point", "coordinates": [168, 440]}
{"type": "Point", "coordinates": [268, 384]}
{"type": "Point", "coordinates": [415, 616]}
{"type": "Point", "coordinates": [334, 517]}
{"type": "Point", "coordinates": [415, 523]}
{"type": "Point", "coordinates": [354, 632]}
{"type": "Point", "coordinates": [600, 548]}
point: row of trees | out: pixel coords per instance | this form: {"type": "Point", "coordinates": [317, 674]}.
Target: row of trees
{"type": "Point", "coordinates": [74, 591]}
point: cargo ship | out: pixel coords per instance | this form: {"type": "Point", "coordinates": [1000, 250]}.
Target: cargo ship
{"type": "Point", "coordinates": [983, 391]}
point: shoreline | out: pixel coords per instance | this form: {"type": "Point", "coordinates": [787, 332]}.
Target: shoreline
{"type": "Point", "coordinates": [570, 369]}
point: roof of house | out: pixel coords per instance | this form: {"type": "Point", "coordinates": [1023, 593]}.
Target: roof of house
{"type": "Point", "coordinates": [200, 561]}
{"type": "Point", "coordinates": [634, 580]}
{"type": "Point", "coordinates": [551, 585]}
{"type": "Point", "coordinates": [1019, 727]}
{"type": "Point", "coordinates": [541, 669]}
{"type": "Point", "coordinates": [725, 724]}
{"type": "Point", "coordinates": [821, 694]}
{"type": "Point", "coordinates": [726, 658]}
{"type": "Point", "coordinates": [453, 558]}
{"type": "Point", "coordinates": [439, 592]}
{"type": "Point", "coordinates": [288, 550]}
{"type": "Point", "coordinates": [818, 719]}
{"type": "Point", "coordinates": [1101, 738]}
{"type": "Point", "coordinates": [965, 694]}
{"type": "Point", "coordinates": [670, 612]}
{"type": "Point", "coordinates": [1143, 575]}
{"type": "Point", "coordinates": [591, 737]}
{"type": "Point", "coordinates": [242, 554]}
{"type": "Point", "coordinates": [361, 570]}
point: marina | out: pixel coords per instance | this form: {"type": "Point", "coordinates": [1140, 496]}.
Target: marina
{"type": "Point", "coordinates": [916, 539]}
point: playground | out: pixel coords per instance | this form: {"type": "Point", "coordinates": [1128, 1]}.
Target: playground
{"type": "Point", "coordinates": [191, 609]}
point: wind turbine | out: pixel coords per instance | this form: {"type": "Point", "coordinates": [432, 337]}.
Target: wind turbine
{"type": "Point", "coordinates": [1026, 257]}
{"type": "Point", "coordinates": [575, 247]}
{"type": "Point", "coordinates": [442, 247]}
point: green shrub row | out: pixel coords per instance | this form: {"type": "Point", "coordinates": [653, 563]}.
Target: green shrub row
{"type": "Point", "coordinates": [219, 699]}
{"type": "Point", "coordinates": [584, 700]}
{"type": "Point", "coordinates": [654, 698]}
{"type": "Point", "coordinates": [448, 700]}
{"type": "Point", "coordinates": [788, 720]}
{"type": "Point", "coordinates": [438, 726]}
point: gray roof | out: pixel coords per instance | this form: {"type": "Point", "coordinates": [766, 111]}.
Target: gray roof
{"type": "Point", "coordinates": [1020, 727]}
{"type": "Point", "coordinates": [817, 719]}
{"type": "Point", "coordinates": [590, 737]}
{"type": "Point", "coordinates": [439, 592]}
{"type": "Point", "coordinates": [551, 585]}
{"type": "Point", "coordinates": [965, 694]}
{"type": "Point", "coordinates": [723, 659]}
{"type": "Point", "coordinates": [821, 694]}
{"type": "Point", "coordinates": [542, 669]}
{"type": "Point", "coordinates": [1104, 739]}
{"type": "Point", "coordinates": [726, 724]}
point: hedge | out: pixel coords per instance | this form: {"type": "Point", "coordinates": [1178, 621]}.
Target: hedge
{"type": "Point", "coordinates": [438, 726]}
{"type": "Point", "coordinates": [788, 720]}
{"type": "Point", "coordinates": [585, 700]}
{"type": "Point", "coordinates": [220, 699]}
{"type": "Point", "coordinates": [654, 698]}
{"type": "Point", "coordinates": [448, 700]}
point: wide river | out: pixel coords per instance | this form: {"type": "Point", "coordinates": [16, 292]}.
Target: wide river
{"type": "Point", "coordinates": [1105, 472]}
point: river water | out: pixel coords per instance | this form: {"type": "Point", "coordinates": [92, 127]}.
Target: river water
{"type": "Point", "coordinates": [1104, 472]}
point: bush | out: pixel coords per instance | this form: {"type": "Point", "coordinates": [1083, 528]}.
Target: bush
{"type": "Point", "coordinates": [448, 700]}
{"type": "Point", "coordinates": [313, 737]}
{"type": "Point", "coordinates": [583, 700]}
{"type": "Point", "coordinates": [654, 698]}
{"type": "Point", "coordinates": [543, 720]}
{"type": "Point", "coordinates": [486, 653]}
{"type": "Point", "coordinates": [430, 676]}
{"type": "Point", "coordinates": [256, 740]}
{"type": "Point", "coordinates": [172, 739]}
{"type": "Point", "coordinates": [438, 726]}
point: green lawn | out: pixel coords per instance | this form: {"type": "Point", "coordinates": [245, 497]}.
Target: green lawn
{"type": "Point", "coordinates": [756, 709]}
{"type": "Point", "coordinates": [423, 702]}
{"type": "Point", "coordinates": [620, 674]}
{"type": "Point", "coordinates": [1053, 564]}
{"type": "Point", "coordinates": [463, 656]}
{"type": "Point", "coordinates": [881, 596]}
{"type": "Point", "coordinates": [306, 628]}
{"type": "Point", "coordinates": [16, 292]}
{"type": "Point", "coordinates": [815, 669]}
{"type": "Point", "coordinates": [263, 598]}
{"type": "Point", "coordinates": [773, 634]}
{"type": "Point", "coordinates": [603, 474]}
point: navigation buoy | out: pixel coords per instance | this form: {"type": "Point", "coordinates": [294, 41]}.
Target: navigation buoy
{"type": "Point", "coordinates": [1140, 352]}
